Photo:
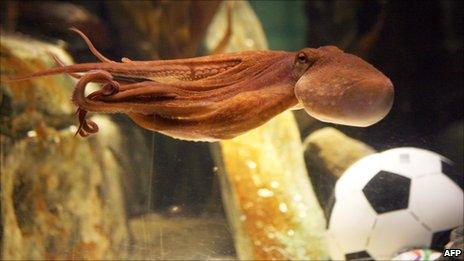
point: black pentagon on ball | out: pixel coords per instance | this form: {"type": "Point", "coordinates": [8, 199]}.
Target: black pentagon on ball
{"type": "Point", "coordinates": [440, 239]}
{"type": "Point", "coordinates": [451, 172]}
{"type": "Point", "coordinates": [361, 255]}
{"type": "Point", "coordinates": [388, 191]}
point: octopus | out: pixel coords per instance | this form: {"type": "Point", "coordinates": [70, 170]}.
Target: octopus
{"type": "Point", "coordinates": [221, 96]}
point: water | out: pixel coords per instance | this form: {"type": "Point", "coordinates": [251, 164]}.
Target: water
{"type": "Point", "coordinates": [129, 193]}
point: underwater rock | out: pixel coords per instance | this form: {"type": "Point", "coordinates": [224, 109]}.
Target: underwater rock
{"type": "Point", "coordinates": [61, 199]}
{"type": "Point", "coordinates": [328, 153]}
{"type": "Point", "coordinates": [246, 30]}
{"type": "Point", "coordinates": [268, 198]}
{"type": "Point", "coordinates": [61, 195]}
{"type": "Point", "coordinates": [27, 104]}
{"type": "Point", "coordinates": [46, 101]}
{"type": "Point", "coordinates": [329, 150]}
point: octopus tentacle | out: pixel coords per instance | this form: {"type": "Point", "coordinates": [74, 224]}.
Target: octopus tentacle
{"type": "Point", "coordinates": [62, 64]}
{"type": "Point", "coordinates": [111, 86]}
{"type": "Point", "coordinates": [91, 47]}
{"type": "Point", "coordinates": [87, 127]}
{"type": "Point", "coordinates": [132, 98]}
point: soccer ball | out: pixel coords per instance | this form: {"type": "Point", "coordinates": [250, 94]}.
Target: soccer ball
{"type": "Point", "coordinates": [393, 201]}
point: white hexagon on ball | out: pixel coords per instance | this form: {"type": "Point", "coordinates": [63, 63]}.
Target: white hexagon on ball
{"type": "Point", "coordinates": [441, 194]}
{"type": "Point", "coordinates": [387, 230]}
{"type": "Point", "coordinates": [411, 162]}
{"type": "Point", "coordinates": [393, 201]}
{"type": "Point", "coordinates": [355, 212]}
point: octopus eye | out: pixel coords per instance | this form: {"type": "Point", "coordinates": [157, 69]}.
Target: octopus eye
{"type": "Point", "coordinates": [302, 58]}
{"type": "Point", "coordinates": [301, 63]}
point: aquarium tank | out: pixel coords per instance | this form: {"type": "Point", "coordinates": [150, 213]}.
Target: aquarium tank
{"type": "Point", "coordinates": [231, 130]}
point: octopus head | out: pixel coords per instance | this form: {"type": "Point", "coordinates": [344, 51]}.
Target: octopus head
{"type": "Point", "coordinates": [341, 88]}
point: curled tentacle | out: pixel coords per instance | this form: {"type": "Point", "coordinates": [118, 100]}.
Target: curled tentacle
{"type": "Point", "coordinates": [87, 127]}
{"type": "Point", "coordinates": [110, 88]}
